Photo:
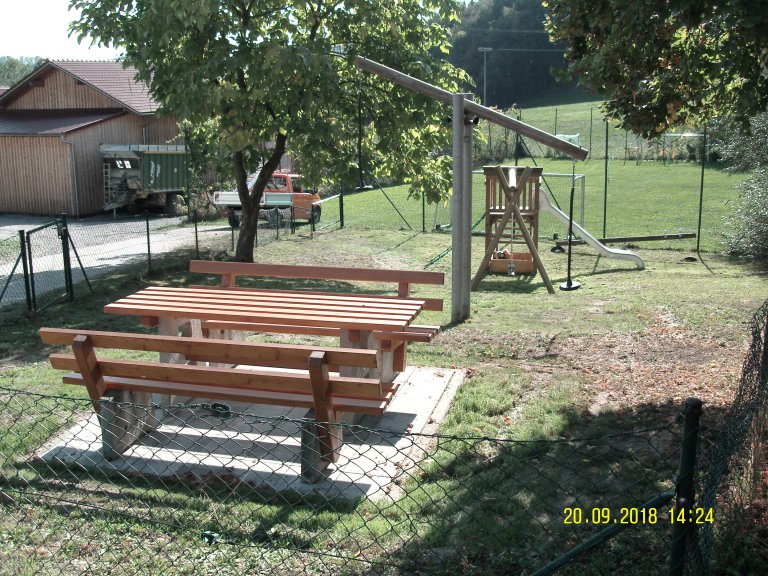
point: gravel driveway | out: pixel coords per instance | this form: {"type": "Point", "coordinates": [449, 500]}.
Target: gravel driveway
{"type": "Point", "coordinates": [101, 242]}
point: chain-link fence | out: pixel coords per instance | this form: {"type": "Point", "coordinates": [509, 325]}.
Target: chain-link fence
{"type": "Point", "coordinates": [62, 259]}
{"type": "Point", "coordinates": [733, 475]}
{"type": "Point", "coordinates": [629, 188]}
{"type": "Point", "coordinates": [217, 491]}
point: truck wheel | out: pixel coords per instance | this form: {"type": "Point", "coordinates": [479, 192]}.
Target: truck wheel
{"type": "Point", "coordinates": [234, 219]}
{"type": "Point", "coordinates": [315, 215]}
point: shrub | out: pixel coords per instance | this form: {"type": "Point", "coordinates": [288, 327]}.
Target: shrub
{"type": "Point", "coordinates": [748, 151]}
{"type": "Point", "coordinates": [750, 218]}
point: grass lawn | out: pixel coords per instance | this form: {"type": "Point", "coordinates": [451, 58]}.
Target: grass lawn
{"type": "Point", "coordinates": [618, 356]}
{"type": "Point", "coordinates": [647, 198]}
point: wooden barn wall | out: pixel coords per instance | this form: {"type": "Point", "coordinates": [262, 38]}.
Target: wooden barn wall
{"type": "Point", "coordinates": [60, 91]}
{"type": "Point", "coordinates": [126, 129]}
{"type": "Point", "coordinates": [36, 170]}
{"type": "Point", "coordinates": [36, 175]}
{"type": "Point", "coordinates": [162, 130]}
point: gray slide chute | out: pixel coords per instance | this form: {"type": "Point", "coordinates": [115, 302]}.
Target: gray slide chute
{"type": "Point", "coordinates": [546, 205]}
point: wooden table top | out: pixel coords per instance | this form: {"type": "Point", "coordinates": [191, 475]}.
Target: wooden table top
{"type": "Point", "coordinates": [344, 311]}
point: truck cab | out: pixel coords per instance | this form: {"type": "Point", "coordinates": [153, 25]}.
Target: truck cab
{"type": "Point", "coordinates": [284, 191]}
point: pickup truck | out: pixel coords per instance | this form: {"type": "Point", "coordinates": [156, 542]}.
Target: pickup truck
{"type": "Point", "coordinates": [284, 190]}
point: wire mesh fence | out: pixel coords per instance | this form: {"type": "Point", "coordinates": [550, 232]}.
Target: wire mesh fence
{"type": "Point", "coordinates": [65, 257]}
{"type": "Point", "coordinates": [218, 489]}
{"type": "Point", "coordinates": [218, 492]}
{"type": "Point", "coordinates": [732, 464]}
{"type": "Point", "coordinates": [633, 187]}
{"type": "Point", "coordinates": [11, 267]}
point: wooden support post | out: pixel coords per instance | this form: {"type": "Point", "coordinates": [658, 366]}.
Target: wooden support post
{"type": "Point", "coordinates": [386, 354]}
{"type": "Point", "coordinates": [320, 433]}
{"type": "Point", "coordinates": [461, 210]}
{"type": "Point", "coordinates": [532, 247]}
{"type": "Point", "coordinates": [458, 264]}
{"type": "Point", "coordinates": [89, 368]}
{"type": "Point", "coordinates": [466, 214]}
{"type": "Point", "coordinates": [328, 435]}
{"type": "Point", "coordinates": [521, 222]}
{"type": "Point", "coordinates": [512, 194]}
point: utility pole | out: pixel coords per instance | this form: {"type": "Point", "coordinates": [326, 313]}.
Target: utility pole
{"type": "Point", "coordinates": [485, 50]}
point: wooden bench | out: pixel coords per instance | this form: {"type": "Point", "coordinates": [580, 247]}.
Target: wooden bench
{"type": "Point", "coordinates": [388, 342]}
{"type": "Point", "coordinates": [312, 383]}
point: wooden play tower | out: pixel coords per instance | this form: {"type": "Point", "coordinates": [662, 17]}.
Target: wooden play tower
{"type": "Point", "coordinates": [506, 233]}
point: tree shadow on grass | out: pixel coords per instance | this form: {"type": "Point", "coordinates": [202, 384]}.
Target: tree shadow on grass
{"type": "Point", "coordinates": [469, 505]}
{"type": "Point", "coordinates": [492, 506]}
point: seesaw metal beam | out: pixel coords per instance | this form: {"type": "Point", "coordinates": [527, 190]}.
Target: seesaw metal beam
{"type": "Point", "coordinates": [470, 107]}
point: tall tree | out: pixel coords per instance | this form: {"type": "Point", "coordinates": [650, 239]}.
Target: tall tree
{"type": "Point", "coordinates": [14, 69]}
{"type": "Point", "coordinates": [666, 62]}
{"type": "Point", "coordinates": [277, 75]}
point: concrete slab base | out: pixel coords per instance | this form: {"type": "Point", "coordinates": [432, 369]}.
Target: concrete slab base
{"type": "Point", "coordinates": [260, 445]}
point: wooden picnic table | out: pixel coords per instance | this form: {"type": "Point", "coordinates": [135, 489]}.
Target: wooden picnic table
{"type": "Point", "coordinates": [361, 321]}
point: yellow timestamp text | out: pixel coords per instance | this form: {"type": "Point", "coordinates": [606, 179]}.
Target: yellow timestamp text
{"type": "Point", "coordinates": [604, 516]}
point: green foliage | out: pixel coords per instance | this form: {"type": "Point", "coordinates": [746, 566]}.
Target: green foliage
{"type": "Point", "coordinates": [747, 151]}
{"type": "Point", "coordinates": [204, 151]}
{"type": "Point", "coordinates": [265, 69]}
{"type": "Point", "coordinates": [14, 69]}
{"type": "Point", "coordinates": [520, 71]}
{"type": "Point", "coordinates": [661, 63]}
{"type": "Point", "coordinates": [283, 73]}
{"type": "Point", "coordinates": [743, 150]}
{"type": "Point", "coordinates": [750, 218]}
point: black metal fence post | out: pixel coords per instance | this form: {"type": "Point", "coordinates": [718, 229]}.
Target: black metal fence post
{"type": "Point", "coordinates": [29, 268]}
{"type": "Point", "coordinates": [605, 188]}
{"type": "Point", "coordinates": [25, 266]}
{"type": "Point", "coordinates": [64, 237]}
{"type": "Point", "coordinates": [341, 208]}
{"type": "Point", "coordinates": [149, 246]}
{"type": "Point", "coordinates": [682, 527]}
{"type": "Point", "coordinates": [701, 186]}
{"type": "Point", "coordinates": [197, 239]}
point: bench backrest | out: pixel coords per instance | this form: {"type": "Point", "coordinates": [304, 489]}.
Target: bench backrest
{"type": "Point", "coordinates": [404, 279]}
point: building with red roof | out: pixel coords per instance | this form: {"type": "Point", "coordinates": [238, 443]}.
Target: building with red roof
{"type": "Point", "coordinates": [52, 123]}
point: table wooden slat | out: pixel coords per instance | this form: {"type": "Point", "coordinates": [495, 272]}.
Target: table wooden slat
{"type": "Point", "coordinates": [226, 303]}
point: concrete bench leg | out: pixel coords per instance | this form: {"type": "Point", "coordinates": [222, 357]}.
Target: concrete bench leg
{"type": "Point", "coordinates": [362, 339]}
{"type": "Point", "coordinates": [312, 462]}
{"type": "Point", "coordinates": [123, 424]}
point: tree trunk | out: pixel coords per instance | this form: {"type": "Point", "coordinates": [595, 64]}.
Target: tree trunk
{"type": "Point", "coordinates": [251, 200]}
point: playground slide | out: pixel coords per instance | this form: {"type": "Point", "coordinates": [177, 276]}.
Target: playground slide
{"type": "Point", "coordinates": [546, 205]}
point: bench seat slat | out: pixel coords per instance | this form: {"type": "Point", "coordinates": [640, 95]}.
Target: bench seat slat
{"type": "Point", "coordinates": [251, 396]}
{"type": "Point", "coordinates": [215, 377]}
